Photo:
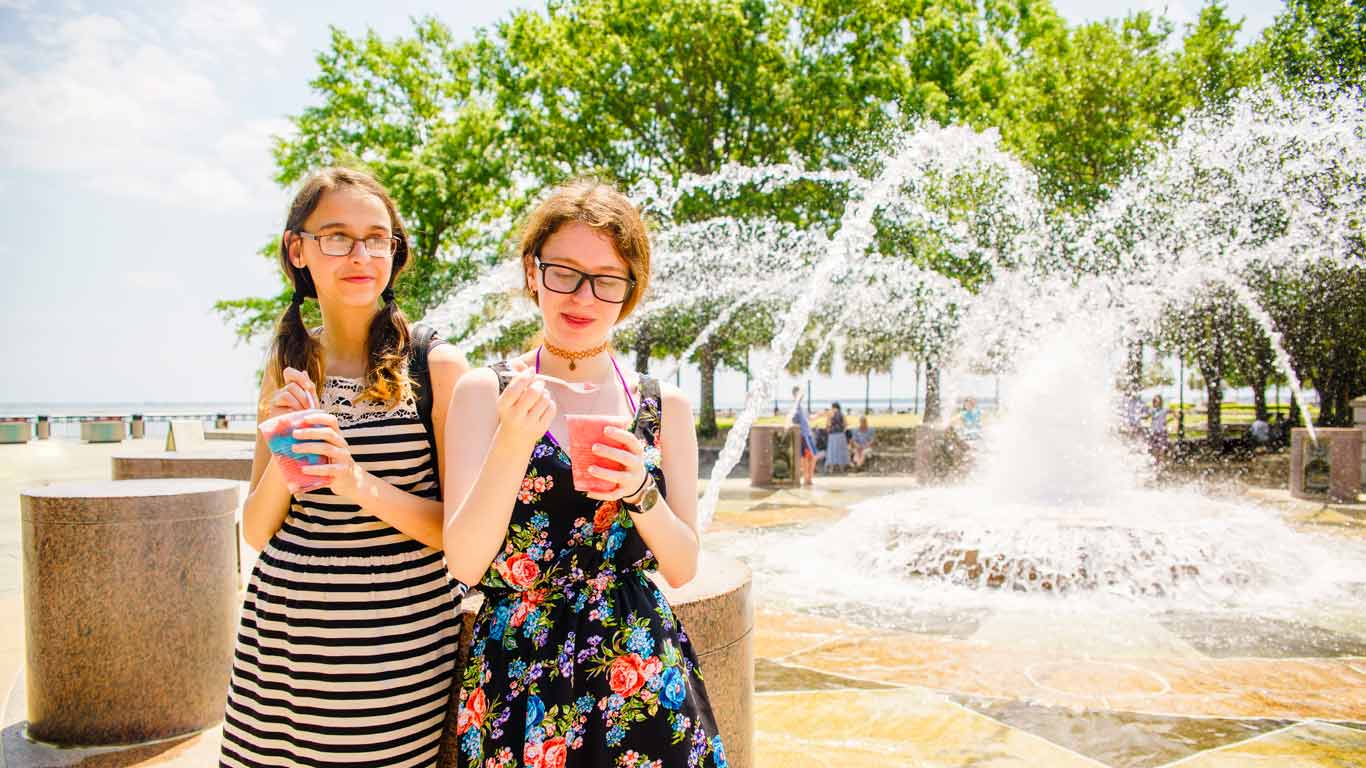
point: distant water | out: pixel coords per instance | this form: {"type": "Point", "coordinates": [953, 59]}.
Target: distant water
{"type": "Point", "coordinates": [152, 411]}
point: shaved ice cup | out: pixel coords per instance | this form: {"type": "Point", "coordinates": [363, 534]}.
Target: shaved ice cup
{"type": "Point", "coordinates": [279, 434]}
{"type": "Point", "coordinates": [584, 431]}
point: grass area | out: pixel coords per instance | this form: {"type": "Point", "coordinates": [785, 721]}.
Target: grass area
{"type": "Point", "coordinates": [876, 421]}
{"type": "Point", "coordinates": [1232, 413]}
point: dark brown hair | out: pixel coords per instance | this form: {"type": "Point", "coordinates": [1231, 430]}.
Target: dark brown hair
{"type": "Point", "coordinates": [386, 346]}
{"type": "Point", "coordinates": [602, 207]}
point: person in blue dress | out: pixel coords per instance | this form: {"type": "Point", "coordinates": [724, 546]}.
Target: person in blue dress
{"type": "Point", "coordinates": [837, 444]}
{"type": "Point", "coordinates": [807, 460]}
{"type": "Point", "coordinates": [862, 442]}
{"type": "Point", "coordinates": [971, 420]}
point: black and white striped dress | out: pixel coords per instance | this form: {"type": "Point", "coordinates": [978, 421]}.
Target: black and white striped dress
{"type": "Point", "coordinates": [348, 633]}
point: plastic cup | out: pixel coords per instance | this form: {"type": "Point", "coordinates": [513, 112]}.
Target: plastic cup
{"type": "Point", "coordinates": [279, 434]}
{"type": "Point", "coordinates": [584, 431]}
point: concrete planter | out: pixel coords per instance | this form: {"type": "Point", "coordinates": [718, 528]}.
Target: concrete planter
{"type": "Point", "coordinates": [102, 431]}
{"type": "Point", "coordinates": [130, 608]}
{"type": "Point", "coordinates": [15, 431]}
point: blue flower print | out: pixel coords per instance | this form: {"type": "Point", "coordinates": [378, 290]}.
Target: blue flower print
{"type": "Point", "coordinates": [614, 540]}
{"type": "Point", "coordinates": [500, 621]}
{"type": "Point", "coordinates": [535, 712]}
{"type": "Point", "coordinates": [640, 642]}
{"type": "Point", "coordinates": [652, 458]}
{"type": "Point", "coordinates": [675, 690]}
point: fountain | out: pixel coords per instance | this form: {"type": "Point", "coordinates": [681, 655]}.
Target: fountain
{"type": "Point", "coordinates": [1061, 573]}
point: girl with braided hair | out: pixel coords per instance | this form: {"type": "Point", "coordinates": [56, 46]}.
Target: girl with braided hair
{"type": "Point", "coordinates": [348, 632]}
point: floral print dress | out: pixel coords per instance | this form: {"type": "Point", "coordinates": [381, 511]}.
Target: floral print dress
{"type": "Point", "coordinates": [577, 659]}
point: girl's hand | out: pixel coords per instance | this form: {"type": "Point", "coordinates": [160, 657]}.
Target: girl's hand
{"type": "Point", "coordinates": [295, 395]}
{"type": "Point", "coordinates": [632, 459]}
{"type": "Point", "coordinates": [346, 479]}
{"type": "Point", "coordinates": [525, 410]}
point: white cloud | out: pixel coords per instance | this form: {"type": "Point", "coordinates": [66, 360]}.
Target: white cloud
{"type": "Point", "coordinates": [128, 108]}
{"type": "Point", "coordinates": [233, 24]}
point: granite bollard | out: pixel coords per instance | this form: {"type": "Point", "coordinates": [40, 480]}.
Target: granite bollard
{"type": "Point", "coordinates": [1330, 467]}
{"type": "Point", "coordinates": [130, 608]}
{"type": "Point", "coordinates": [1359, 420]}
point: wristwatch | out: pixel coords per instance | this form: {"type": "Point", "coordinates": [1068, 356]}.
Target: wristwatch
{"type": "Point", "coordinates": [648, 499]}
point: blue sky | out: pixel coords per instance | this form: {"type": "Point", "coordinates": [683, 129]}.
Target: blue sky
{"type": "Point", "coordinates": [135, 181]}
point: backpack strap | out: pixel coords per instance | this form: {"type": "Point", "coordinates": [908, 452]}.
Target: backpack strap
{"type": "Point", "coordinates": [424, 338]}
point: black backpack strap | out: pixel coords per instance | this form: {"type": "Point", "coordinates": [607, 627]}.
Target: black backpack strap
{"type": "Point", "coordinates": [423, 338]}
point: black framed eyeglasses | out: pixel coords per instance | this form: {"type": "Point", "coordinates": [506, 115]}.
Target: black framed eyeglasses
{"type": "Point", "coordinates": [338, 244]}
{"type": "Point", "coordinates": [561, 279]}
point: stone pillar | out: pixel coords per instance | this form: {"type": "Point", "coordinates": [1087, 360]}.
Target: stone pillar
{"type": "Point", "coordinates": [1359, 419]}
{"type": "Point", "coordinates": [137, 427]}
{"type": "Point", "coordinates": [14, 430]}
{"type": "Point", "coordinates": [227, 463]}
{"type": "Point", "coordinates": [717, 612]}
{"type": "Point", "coordinates": [761, 454]}
{"type": "Point", "coordinates": [1330, 468]}
{"type": "Point", "coordinates": [43, 428]}
{"type": "Point", "coordinates": [220, 421]}
{"type": "Point", "coordinates": [130, 608]}
{"type": "Point", "coordinates": [102, 430]}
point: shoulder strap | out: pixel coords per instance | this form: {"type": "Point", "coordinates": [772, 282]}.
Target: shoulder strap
{"type": "Point", "coordinates": [424, 337]}
{"type": "Point", "coordinates": [649, 398]}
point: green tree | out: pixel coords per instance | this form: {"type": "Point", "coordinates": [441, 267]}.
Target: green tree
{"type": "Point", "coordinates": [1210, 65]}
{"type": "Point", "coordinates": [1317, 41]}
{"type": "Point", "coordinates": [1320, 312]}
{"type": "Point", "coordinates": [415, 112]}
{"type": "Point", "coordinates": [647, 89]}
{"type": "Point", "coordinates": [1089, 101]}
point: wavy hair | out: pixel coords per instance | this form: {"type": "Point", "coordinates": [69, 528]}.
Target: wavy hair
{"type": "Point", "coordinates": [602, 207]}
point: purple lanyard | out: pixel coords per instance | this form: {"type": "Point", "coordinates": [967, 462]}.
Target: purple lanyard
{"type": "Point", "coordinates": [630, 400]}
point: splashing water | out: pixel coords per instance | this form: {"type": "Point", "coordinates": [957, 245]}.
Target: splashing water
{"type": "Point", "coordinates": [1059, 504]}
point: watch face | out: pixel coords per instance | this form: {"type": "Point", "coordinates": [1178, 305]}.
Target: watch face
{"type": "Point", "coordinates": [650, 499]}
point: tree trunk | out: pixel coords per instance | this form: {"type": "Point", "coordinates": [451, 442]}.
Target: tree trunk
{"type": "Point", "coordinates": [706, 361]}
{"type": "Point", "coordinates": [1336, 410]}
{"type": "Point", "coordinates": [1259, 397]}
{"type": "Point", "coordinates": [642, 349]}
{"type": "Point", "coordinates": [1212, 364]}
{"type": "Point", "coordinates": [1294, 417]}
{"type": "Point", "coordinates": [931, 393]}
{"type": "Point", "coordinates": [867, 391]}
{"type": "Point", "coordinates": [1214, 399]}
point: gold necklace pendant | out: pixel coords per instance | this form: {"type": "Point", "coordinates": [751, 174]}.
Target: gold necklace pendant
{"type": "Point", "coordinates": [573, 356]}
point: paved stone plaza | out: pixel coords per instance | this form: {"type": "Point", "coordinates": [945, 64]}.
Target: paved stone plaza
{"type": "Point", "coordinates": [960, 688]}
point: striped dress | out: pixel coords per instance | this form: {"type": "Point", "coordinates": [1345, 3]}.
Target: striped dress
{"type": "Point", "coordinates": [347, 644]}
